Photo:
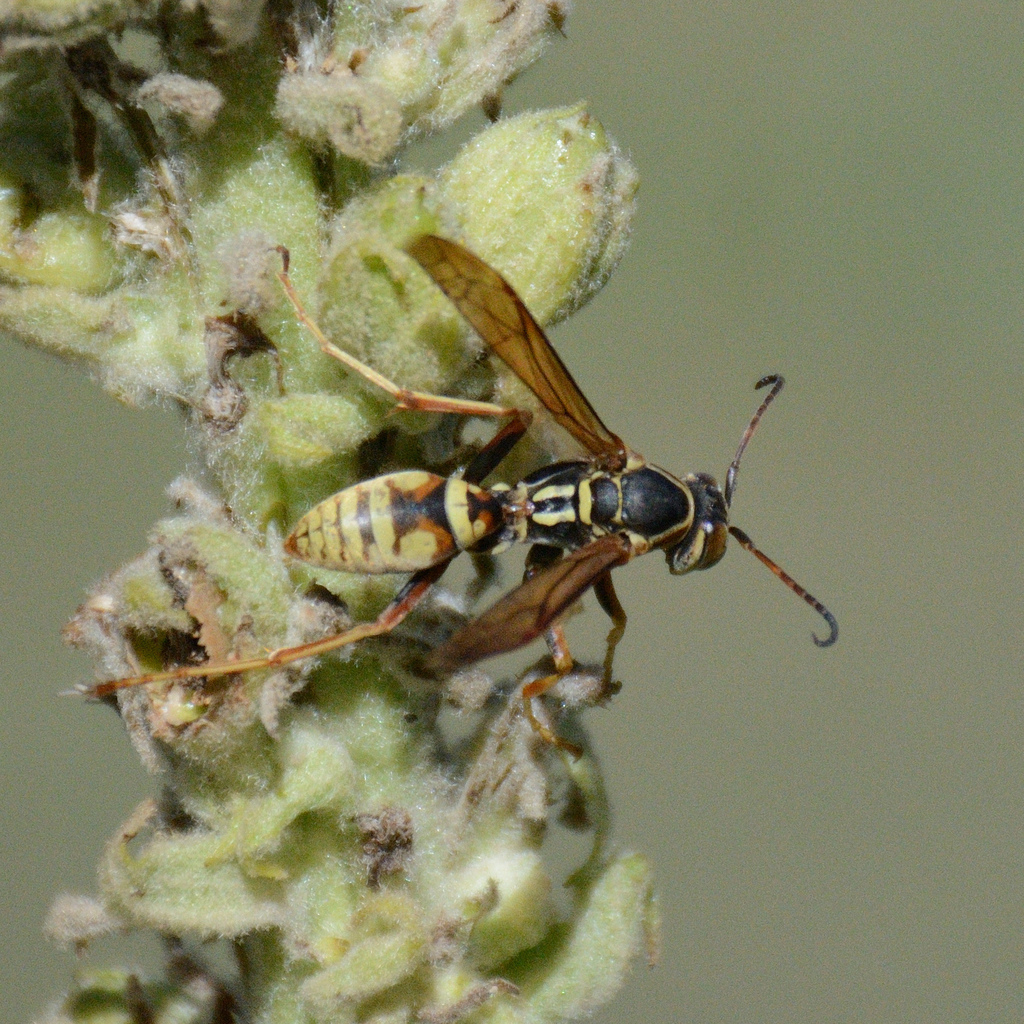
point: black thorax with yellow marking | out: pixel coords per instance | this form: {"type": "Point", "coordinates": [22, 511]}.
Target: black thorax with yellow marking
{"type": "Point", "coordinates": [573, 502]}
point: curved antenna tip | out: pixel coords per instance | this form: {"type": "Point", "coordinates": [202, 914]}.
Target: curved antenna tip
{"type": "Point", "coordinates": [833, 626]}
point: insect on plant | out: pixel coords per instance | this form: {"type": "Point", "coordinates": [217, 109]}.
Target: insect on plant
{"type": "Point", "coordinates": [582, 518]}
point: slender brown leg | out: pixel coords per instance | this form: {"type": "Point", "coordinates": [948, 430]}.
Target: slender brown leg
{"type": "Point", "coordinates": [604, 590]}
{"type": "Point", "coordinates": [538, 558]}
{"type": "Point", "coordinates": [407, 598]}
{"type": "Point", "coordinates": [486, 460]}
{"type": "Point", "coordinates": [404, 398]}
{"type": "Point", "coordinates": [609, 601]}
{"type": "Point", "coordinates": [563, 665]}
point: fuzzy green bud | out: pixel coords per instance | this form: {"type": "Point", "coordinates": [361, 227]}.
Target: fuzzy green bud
{"type": "Point", "coordinates": [440, 58]}
{"type": "Point", "coordinates": [547, 198]}
{"type": "Point", "coordinates": [62, 22]}
{"type": "Point", "coordinates": [307, 430]}
{"type": "Point", "coordinates": [376, 303]}
{"type": "Point", "coordinates": [358, 117]}
{"type": "Point", "coordinates": [68, 247]}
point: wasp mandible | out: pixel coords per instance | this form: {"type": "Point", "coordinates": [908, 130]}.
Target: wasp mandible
{"type": "Point", "coordinates": [583, 518]}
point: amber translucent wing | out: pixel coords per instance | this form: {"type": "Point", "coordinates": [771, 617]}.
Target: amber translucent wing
{"type": "Point", "coordinates": [499, 316]}
{"type": "Point", "coordinates": [526, 612]}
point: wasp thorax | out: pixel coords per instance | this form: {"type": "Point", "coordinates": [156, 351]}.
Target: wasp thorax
{"type": "Point", "coordinates": [704, 543]}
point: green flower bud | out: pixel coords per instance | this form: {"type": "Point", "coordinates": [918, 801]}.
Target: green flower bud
{"type": "Point", "coordinates": [358, 117]}
{"type": "Point", "coordinates": [67, 247]}
{"type": "Point", "coordinates": [386, 942]}
{"type": "Point", "coordinates": [377, 304]}
{"type": "Point", "coordinates": [44, 23]}
{"type": "Point", "coordinates": [440, 58]}
{"type": "Point", "coordinates": [618, 915]}
{"type": "Point", "coordinates": [521, 912]}
{"type": "Point", "coordinates": [547, 198]}
{"type": "Point", "coordinates": [307, 430]}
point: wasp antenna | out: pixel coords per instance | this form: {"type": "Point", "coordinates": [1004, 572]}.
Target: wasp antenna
{"type": "Point", "coordinates": [778, 382]}
{"type": "Point", "coordinates": [781, 573]}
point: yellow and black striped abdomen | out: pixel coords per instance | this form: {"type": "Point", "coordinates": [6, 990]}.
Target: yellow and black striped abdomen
{"type": "Point", "coordinates": [400, 522]}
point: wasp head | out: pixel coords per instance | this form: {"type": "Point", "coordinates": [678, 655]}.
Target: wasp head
{"type": "Point", "coordinates": [703, 544]}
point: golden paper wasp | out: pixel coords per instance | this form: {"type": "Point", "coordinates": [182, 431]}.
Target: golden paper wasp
{"type": "Point", "coordinates": [582, 518]}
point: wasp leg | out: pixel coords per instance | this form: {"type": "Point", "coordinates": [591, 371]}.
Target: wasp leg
{"type": "Point", "coordinates": [563, 665]}
{"type": "Point", "coordinates": [539, 557]}
{"type": "Point", "coordinates": [604, 591]}
{"type": "Point", "coordinates": [407, 598]}
{"type": "Point", "coordinates": [405, 398]}
{"type": "Point", "coordinates": [486, 460]}
{"type": "Point", "coordinates": [485, 572]}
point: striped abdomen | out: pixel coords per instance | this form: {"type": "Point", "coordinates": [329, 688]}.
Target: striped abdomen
{"type": "Point", "coordinates": [400, 522]}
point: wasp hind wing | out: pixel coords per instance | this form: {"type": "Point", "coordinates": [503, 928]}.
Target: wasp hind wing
{"type": "Point", "coordinates": [528, 611]}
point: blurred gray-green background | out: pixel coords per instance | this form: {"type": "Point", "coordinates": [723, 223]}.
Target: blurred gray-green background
{"type": "Point", "coordinates": [831, 191]}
